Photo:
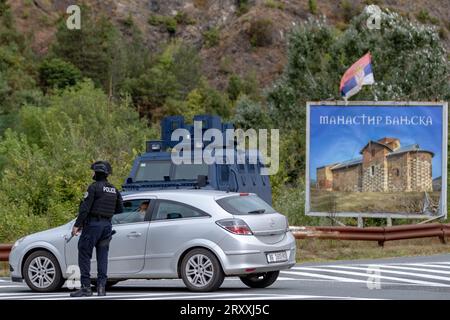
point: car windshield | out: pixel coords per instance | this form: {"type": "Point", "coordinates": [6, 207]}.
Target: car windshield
{"type": "Point", "coordinates": [152, 171]}
{"type": "Point", "coordinates": [248, 204]}
{"type": "Point", "coordinates": [157, 170]}
{"type": "Point", "coordinates": [190, 171]}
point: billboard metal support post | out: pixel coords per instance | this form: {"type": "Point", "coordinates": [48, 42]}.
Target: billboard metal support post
{"type": "Point", "coordinates": [360, 222]}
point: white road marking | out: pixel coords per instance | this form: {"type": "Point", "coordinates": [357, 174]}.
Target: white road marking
{"type": "Point", "coordinates": [12, 286]}
{"type": "Point", "coordinates": [419, 275]}
{"type": "Point", "coordinates": [322, 276]}
{"type": "Point", "coordinates": [204, 296]}
{"type": "Point", "coordinates": [372, 275]}
{"type": "Point", "coordinates": [65, 296]}
{"type": "Point", "coordinates": [299, 296]}
{"type": "Point", "coordinates": [410, 268]}
{"type": "Point", "coordinates": [430, 265]}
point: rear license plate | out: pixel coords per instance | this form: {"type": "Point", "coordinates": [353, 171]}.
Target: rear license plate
{"type": "Point", "coordinates": [274, 257]}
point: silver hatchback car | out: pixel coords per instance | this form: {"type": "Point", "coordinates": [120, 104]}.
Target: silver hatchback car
{"type": "Point", "coordinates": [200, 236]}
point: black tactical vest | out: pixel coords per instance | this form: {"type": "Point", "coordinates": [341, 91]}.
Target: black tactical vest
{"type": "Point", "coordinates": [105, 199]}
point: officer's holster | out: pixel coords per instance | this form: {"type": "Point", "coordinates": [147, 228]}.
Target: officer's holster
{"type": "Point", "coordinates": [105, 242]}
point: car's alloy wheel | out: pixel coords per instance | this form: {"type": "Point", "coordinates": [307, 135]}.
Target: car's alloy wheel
{"type": "Point", "coordinates": [42, 273]}
{"type": "Point", "coordinates": [201, 271]}
{"type": "Point", "coordinates": [260, 280]}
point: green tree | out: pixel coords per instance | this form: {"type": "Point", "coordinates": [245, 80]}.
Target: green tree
{"type": "Point", "coordinates": [247, 85]}
{"type": "Point", "coordinates": [17, 70]}
{"type": "Point", "coordinates": [95, 49]}
{"type": "Point", "coordinates": [57, 73]}
{"type": "Point", "coordinates": [250, 114]}
{"type": "Point", "coordinates": [45, 161]}
{"type": "Point", "coordinates": [409, 63]}
{"type": "Point", "coordinates": [174, 73]}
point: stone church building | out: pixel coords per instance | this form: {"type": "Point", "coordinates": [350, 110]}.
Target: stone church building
{"type": "Point", "coordinates": [385, 166]}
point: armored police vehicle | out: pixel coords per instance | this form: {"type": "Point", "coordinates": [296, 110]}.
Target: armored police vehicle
{"type": "Point", "coordinates": [155, 170]}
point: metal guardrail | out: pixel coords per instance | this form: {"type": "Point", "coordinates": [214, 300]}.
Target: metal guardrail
{"type": "Point", "coordinates": [5, 249]}
{"type": "Point", "coordinates": [379, 234]}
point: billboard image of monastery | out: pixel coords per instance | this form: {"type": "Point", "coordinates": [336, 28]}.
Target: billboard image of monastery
{"type": "Point", "coordinates": [384, 166]}
{"type": "Point", "coordinates": [375, 159]}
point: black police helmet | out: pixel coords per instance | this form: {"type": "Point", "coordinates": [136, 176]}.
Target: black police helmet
{"type": "Point", "coordinates": [102, 166]}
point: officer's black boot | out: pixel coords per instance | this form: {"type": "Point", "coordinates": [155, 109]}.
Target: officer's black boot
{"type": "Point", "coordinates": [83, 292]}
{"type": "Point", "coordinates": [101, 290]}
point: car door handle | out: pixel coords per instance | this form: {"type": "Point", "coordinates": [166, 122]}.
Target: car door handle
{"type": "Point", "coordinates": [134, 234]}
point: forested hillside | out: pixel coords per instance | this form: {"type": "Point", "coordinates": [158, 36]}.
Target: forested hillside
{"type": "Point", "coordinates": [69, 97]}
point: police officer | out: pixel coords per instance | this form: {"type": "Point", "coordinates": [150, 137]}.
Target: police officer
{"type": "Point", "coordinates": [101, 201]}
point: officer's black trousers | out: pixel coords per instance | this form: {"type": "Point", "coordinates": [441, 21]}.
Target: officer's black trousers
{"type": "Point", "coordinates": [96, 233]}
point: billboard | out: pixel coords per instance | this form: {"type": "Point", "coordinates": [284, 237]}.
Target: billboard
{"type": "Point", "coordinates": [376, 159]}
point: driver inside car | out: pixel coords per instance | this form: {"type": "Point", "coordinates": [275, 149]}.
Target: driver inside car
{"type": "Point", "coordinates": [132, 216]}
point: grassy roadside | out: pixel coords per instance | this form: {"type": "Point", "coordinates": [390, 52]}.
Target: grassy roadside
{"type": "Point", "coordinates": [4, 269]}
{"type": "Point", "coordinates": [314, 250]}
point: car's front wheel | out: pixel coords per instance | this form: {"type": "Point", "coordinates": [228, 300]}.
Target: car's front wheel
{"type": "Point", "coordinates": [42, 272]}
{"type": "Point", "coordinates": [201, 271]}
{"type": "Point", "coordinates": [260, 280]}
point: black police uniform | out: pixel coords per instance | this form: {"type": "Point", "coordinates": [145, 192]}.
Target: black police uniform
{"type": "Point", "coordinates": [101, 201]}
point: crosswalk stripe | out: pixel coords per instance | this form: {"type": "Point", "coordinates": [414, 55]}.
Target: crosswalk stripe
{"type": "Point", "coordinates": [65, 296]}
{"type": "Point", "coordinates": [20, 296]}
{"type": "Point", "coordinates": [322, 276]}
{"type": "Point", "coordinates": [299, 296]}
{"type": "Point", "coordinates": [411, 268]}
{"type": "Point", "coordinates": [156, 296]}
{"type": "Point", "coordinates": [373, 275]}
{"type": "Point", "coordinates": [198, 296]}
{"type": "Point", "coordinates": [430, 265]}
{"type": "Point", "coordinates": [426, 276]}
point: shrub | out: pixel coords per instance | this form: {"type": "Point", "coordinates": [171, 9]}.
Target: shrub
{"type": "Point", "coordinates": [45, 161]}
{"type": "Point", "coordinates": [247, 85]}
{"type": "Point", "coordinates": [183, 18]}
{"type": "Point", "coordinates": [443, 33]}
{"type": "Point", "coordinates": [260, 32]}
{"type": "Point", "coordinates": [211, 37]}
{"type": "Point", "coordinates": [128, 22]}
{"type": "Point", "coordinates": [250, 114]}
{"type": "Point", "coordinates": [274, 4]}
{"type": "Point", "coordinates": [175, 73]}
{"type": "Point", "coordinates": [57, 73]}
{"type": "Point", "coordinates": [424, 17]}
{"type": "Point", "coordinates": [170, 23]}
{"type": "Point", "coordinates": [312, 4]}
{"type": "Point", "coordinates": [201, 3]}
{"type": "Point", "coordinates": [349, 10]}
{"type": "Point", "coordinates": [243, 6]}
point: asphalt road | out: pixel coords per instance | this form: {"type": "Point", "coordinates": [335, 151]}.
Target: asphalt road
{"type": "Point", "coordinates": [398, 278]}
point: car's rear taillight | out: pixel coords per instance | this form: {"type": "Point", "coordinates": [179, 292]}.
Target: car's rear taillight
{"type": "Point", "coordinates": [236, 226]}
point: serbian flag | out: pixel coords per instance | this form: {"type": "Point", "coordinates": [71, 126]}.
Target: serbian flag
{"type": "Point", "coordinates": [358, 75]}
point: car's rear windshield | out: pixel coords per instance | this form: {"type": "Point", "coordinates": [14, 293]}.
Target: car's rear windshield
{"type": "Point", "coordinates": [245, 204]}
